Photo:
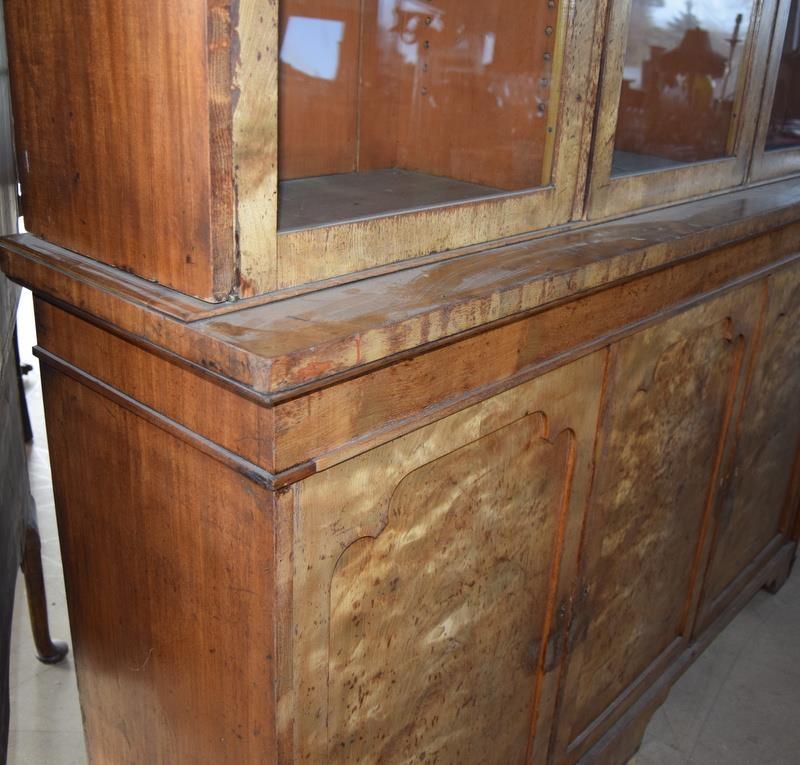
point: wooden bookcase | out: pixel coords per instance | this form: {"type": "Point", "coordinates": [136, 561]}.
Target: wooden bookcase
{"type": "Point", "coordinates": [386, 424]}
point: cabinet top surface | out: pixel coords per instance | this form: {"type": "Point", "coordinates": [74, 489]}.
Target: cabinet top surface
{"type": "Point", "coordinates": [278, 348]}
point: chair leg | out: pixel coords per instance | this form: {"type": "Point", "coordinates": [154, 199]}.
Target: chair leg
{"type": "Point", "coordinates": [22, 370]}
{"type": "Point", "coordinates": [47, 650]}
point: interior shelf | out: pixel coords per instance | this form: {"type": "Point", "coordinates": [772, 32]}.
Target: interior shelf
{"type": "Point", "coordinates": [326, 199]}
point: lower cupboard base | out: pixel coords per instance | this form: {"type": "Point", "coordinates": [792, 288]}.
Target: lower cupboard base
{"type": "Point", "coordinates": [624, 738]}
{"type": "Point", "coordinates": [500, 550]}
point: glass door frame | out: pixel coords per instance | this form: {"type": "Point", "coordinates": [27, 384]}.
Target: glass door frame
{"type": "Point", "coordinates": [611, 196]}
{"type": "Point", "coordinates": [769, 165]}
{"type": "Point", "coordinates": [383, 243]}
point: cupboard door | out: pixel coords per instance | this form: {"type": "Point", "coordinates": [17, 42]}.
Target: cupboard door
{"type": "Point", "coordinates": [756, 506]}
{"type": "Point", "coordinates": [777, 149]}
{"type": "Point", "coordinates": [431, 579]}
{"type": "Point", "coordinates": [411, 129]}
{"type": "Point", "coordinates": [679, 100]}
{"type": "Point", "coordinates": [670, 394]}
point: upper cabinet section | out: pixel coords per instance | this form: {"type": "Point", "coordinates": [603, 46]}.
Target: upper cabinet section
{"type": "Point", "coordinates": [777, 150]}
{"type": "Point", "coordinates": [679, 100]}
{"type": "Point", "coordinates": [236, 148]}
{"type": "Point", "coordinates": [682, 79]}
{"type": "Point", "coordinates": [148, 134]}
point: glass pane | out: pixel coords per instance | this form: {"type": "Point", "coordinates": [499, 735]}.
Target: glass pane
{"type": "Point", "coordinates": [683, 63]}
{"type": "Point", "coordinates": [390, 105]}
{"type": "Point", "coordinates": [784, 124]}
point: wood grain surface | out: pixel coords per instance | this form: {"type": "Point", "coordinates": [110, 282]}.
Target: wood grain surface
{"type": "Point", "coordinates": [529, 453]}
{"type": "Point", "coordinates": [147, 140]}
{"type": "Point", "coordinates": [550, 485]}
{"type": "Point", "coordinates": [471, 484]}
{"type": "Point", "coordinates": [757, 502]}
{"type": "Point", "coordinates": [165, 551]}
{"type": "Point", "coordinates": [272, 347]}
{"type": "Point", "coordinates": [98, 165]}
{"type": "Point", "coordinates": [457, 681]}
{"type": "Point", "coordinates": [667, 413]}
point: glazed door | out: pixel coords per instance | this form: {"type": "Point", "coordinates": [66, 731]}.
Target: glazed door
{"type": "Point", "coordinates": [679, 100]}
{"type": "Point", "coordinates": [413, 128]}
{"type": "Point", "coordinates": [759, 498]}
{"type": "Point", "coordinates": [777, 148]}
{"type": "Point", "coordinates": [671, 392]}
{"type": "Point", "coordinates": [432, 579]}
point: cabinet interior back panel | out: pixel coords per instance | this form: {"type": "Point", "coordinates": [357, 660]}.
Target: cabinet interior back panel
{"type": "Point", "coordinates": [455, 88]}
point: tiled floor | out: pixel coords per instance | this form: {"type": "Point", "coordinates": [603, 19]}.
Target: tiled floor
{"type": "Point", "coordinates": [739, 704]}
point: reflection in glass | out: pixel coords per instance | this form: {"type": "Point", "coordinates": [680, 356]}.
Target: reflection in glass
{"type": "Point", "coordinates": [784, 124]}
{"type": "Point", "coordinates": [389, 105]}
{"type": "Point", "coordinates": [682, 69]}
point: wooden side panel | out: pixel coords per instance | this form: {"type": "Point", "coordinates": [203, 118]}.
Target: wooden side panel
{"type": "Point", "coordinates": [432, 579]}
{"type": "Point", "coordinates": [168, 561]}
{"type": "Point", "coordinates": [114, 126]}
{"type": "Point", "coordinates": [670, 395]}
{"type": "Point", "coordinates": [756, 504]}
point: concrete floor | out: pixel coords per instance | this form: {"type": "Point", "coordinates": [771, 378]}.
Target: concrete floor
{"type": "Point", "coordinates": [739, 704]}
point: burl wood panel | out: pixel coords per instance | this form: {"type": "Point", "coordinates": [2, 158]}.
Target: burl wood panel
{"type": "Point", "coordinates": [756, 505]}
{"type": "Point", "coordinates": [168, 562]}
{"type": "Point", "coordinates": [670, 394]}
{"type": "Point", "coordinates": [431, 581]}
{"type": "Point", "coordinates": [437, 624]}
{"type": "Point", "coordinates": [100, 92]}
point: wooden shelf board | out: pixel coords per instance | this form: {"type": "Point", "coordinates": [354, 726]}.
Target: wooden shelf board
{"type": "Point", "coordinates": [326, 199]}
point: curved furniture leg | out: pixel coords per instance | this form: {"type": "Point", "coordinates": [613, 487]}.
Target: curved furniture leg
{"type": "Point", "coordinates": [47, 650]}
{"type": "Point", "coordinates": [22, 369]}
